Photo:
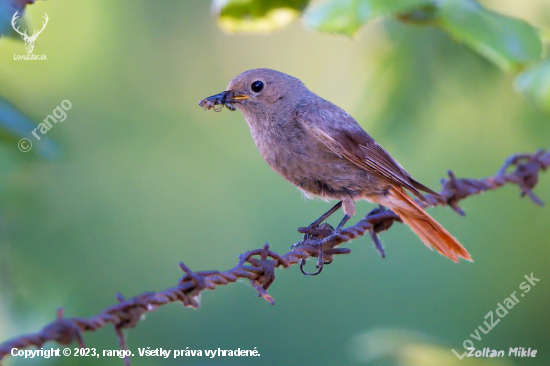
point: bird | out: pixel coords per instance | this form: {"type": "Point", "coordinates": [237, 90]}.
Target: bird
{"type": "Point", "coordinates": [322, 150]}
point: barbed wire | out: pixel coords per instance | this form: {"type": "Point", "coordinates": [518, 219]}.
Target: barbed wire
{"type": "Point", "coordinates": [258, 266]}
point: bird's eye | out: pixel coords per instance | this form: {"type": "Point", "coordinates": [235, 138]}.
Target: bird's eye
{"type": "Point", "coordinates": [257, 86]}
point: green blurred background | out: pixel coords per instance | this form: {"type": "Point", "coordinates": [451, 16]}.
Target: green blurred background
{"type": "Point", "coordinates": [145, 178]}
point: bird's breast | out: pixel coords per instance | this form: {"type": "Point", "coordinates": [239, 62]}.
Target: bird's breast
{"type": "Point", "coordinates": [306, 162]}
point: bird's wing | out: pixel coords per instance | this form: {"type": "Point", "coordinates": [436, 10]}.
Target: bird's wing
{"type": "Point", "coordinates": [344, 137]}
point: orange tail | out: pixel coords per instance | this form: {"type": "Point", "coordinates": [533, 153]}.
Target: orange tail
{"type": "Point", "coordinates": [430, 231]}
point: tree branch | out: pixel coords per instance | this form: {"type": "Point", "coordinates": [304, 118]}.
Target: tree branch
{"type": "Point", "coordinates": [258, 266]}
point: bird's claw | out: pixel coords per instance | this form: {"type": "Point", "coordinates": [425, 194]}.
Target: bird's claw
{"type": "Point", "coordinates": [319, 268]}
{"type": "Point", "coordinates": [316, 231]}
{"type": "Point", "coordinates": [318, 244]}
{"type": "Point", "coordinates": [319, 265]}
{"type": "Point", "coordinates": [316, 235]}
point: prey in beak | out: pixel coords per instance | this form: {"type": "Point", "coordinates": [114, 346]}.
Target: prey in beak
{"type": "Point", "coordinates": [226, 98]}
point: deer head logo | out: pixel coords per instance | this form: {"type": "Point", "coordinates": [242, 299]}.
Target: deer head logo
{"type": "Point", "coordinates": [29, 40]}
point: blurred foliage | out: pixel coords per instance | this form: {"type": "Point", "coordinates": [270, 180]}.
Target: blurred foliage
{"type": "Point", "coordinates": [7, 9]}
{"type": "Point", "coordinates": [13, 120]}
{"type": "Point", "coordinates": [535, 83]}
{"type": "Point", "coordinates": [506, 41]}
{"type": "Point", "coordinates": [410, 348]}
{"type": "Point", "coordinates": [348, 16]}
{"type": "Point", "coordinates": [148, 179]}
{"type": "Point", "coordinates": [257, 15]}
{"type": "Point", "coordinates": [14, 124]}
{"type": "Point", "coordinates": [509, 43]}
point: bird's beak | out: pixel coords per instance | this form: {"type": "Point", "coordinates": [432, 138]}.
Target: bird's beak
{"type": "Point", "coordinates": [225, 98]}
{"type": "Point", "coordinates": [235, 97]}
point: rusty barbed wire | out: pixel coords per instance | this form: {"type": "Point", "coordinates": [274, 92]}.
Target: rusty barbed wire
{"type": "Point", "coordinates": [258, 266]}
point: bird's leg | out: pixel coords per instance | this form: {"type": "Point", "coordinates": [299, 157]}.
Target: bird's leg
{"type": "Point", "coordinates": [349, 210]}
{"type": "Point", "coordinates": [311, 229]}
{"type": "Point", "coordinates": [342, 223]}
{"type": "Point", "coordinates": [335, 232]}
{"type": "Point", "coordinates": [326, 215]}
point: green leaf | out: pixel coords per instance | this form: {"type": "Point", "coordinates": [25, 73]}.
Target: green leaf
{"type": "Point", "coordinates": [506, 41]}
{"type": "Point", "coordinates": [17, 125]}
{"type": "Point", "coordinates": [347, 16]}
{"type": "Point", "coordinates": [535, 84]}
{"type": "Point", "coordinates": [256, 16]}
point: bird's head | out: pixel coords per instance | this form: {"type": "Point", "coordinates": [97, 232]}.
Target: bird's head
{"type": "Point", "coordinates": [258, 92]}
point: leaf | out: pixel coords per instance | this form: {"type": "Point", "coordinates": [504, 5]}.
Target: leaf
{"type": "Point", "coordinates": [256, 16]}
{"type": "Point", "coordinates": [347, 16]}
{"type": "Point", "coordinates": [18, 126]}
{"type": "Point", "coordinates": [507, 42]}
{"type": "Point", "coordinates": [535, 84]}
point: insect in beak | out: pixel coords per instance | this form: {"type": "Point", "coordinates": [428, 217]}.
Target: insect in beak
{"type": "Point", "coordinates": [222, 99]}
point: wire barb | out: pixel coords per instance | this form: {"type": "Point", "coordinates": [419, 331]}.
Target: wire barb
{"type": "Point", "coordinates": [259, 265]}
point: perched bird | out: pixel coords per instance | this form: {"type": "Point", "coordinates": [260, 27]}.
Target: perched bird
{"type": "Point", "coordinates": [322, 150]}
